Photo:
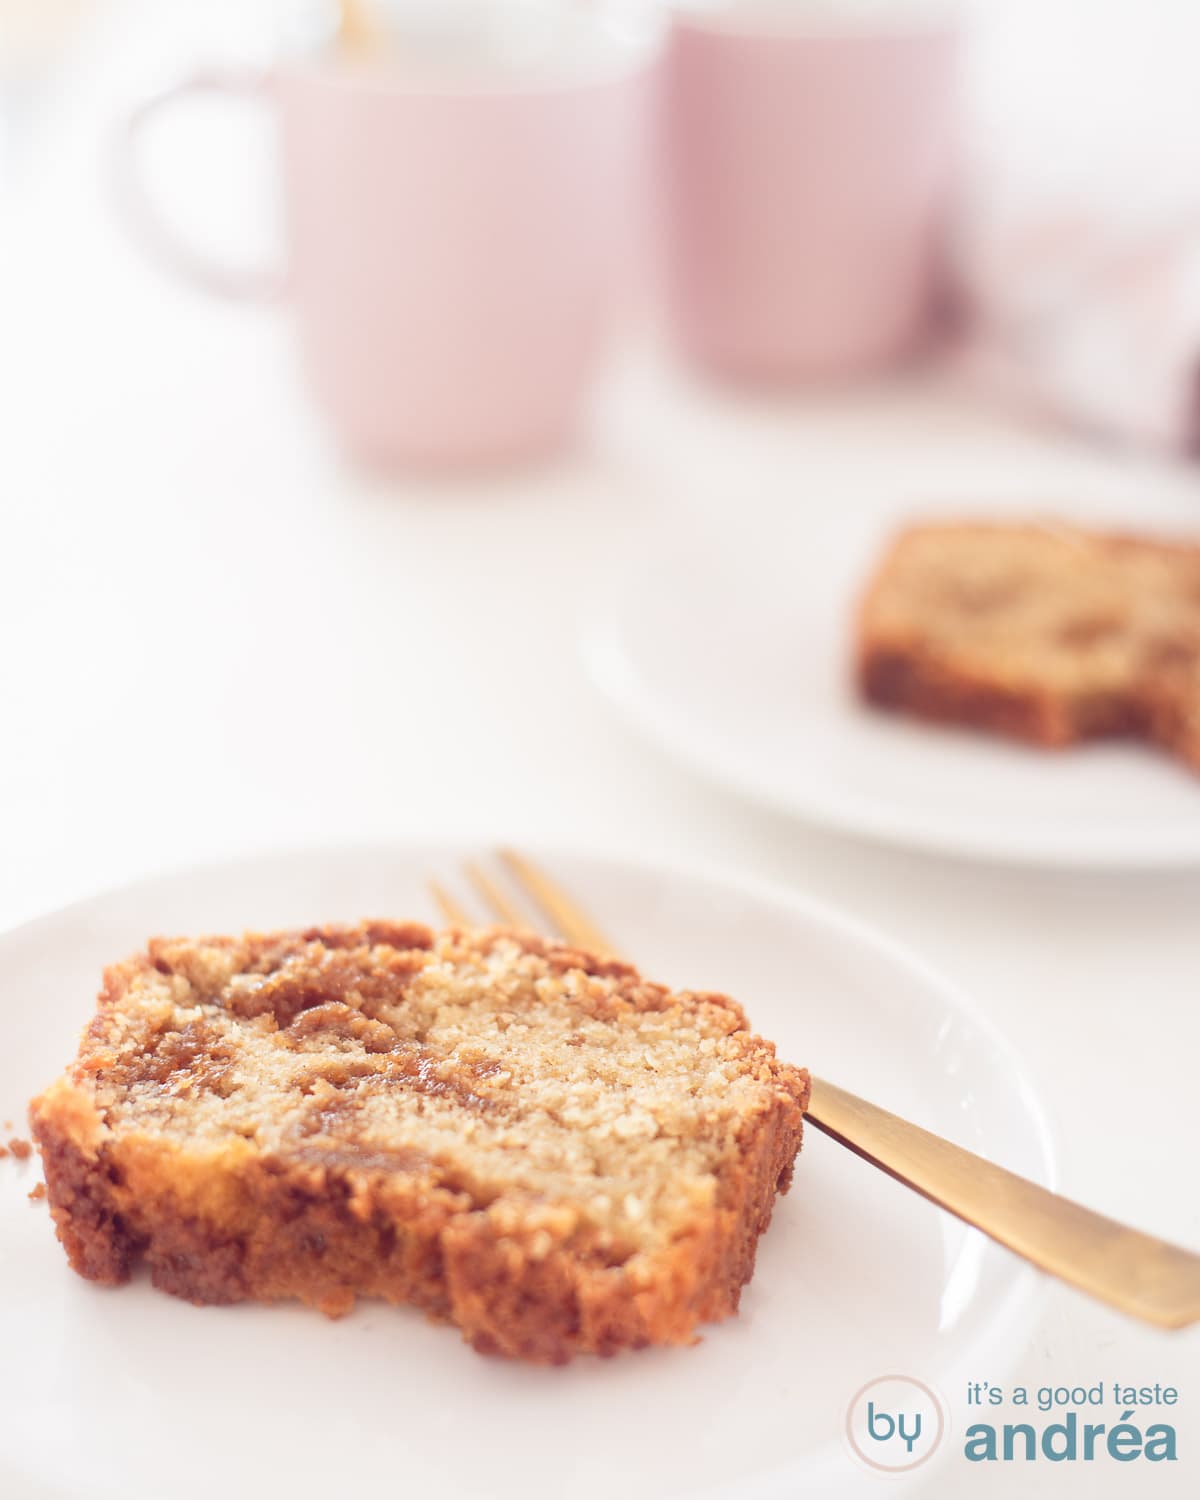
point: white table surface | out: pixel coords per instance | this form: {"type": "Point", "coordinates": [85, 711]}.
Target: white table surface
{"type": "Point", "coordinates": [216, 637]}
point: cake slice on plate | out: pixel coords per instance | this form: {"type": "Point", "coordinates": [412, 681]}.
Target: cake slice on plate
{"type": "Point", "coordinates": [1050, 634]}
{"type": "Point", "coordinates": [531, 1142]}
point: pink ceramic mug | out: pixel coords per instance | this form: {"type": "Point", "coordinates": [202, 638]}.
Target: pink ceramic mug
{"type": "Point", "coordinates": [807, 175]}
{"type": "Point", "coordinates": [457, 248]}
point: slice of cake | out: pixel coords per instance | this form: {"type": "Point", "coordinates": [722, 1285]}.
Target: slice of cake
{"type": "Point", "coordinates": [1046, 633]}
{"type": "Point", "coordinates": [528, 1141]}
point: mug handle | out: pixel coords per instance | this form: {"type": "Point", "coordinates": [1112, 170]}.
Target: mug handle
{"type": "Point", "coordinates": [142, 215]}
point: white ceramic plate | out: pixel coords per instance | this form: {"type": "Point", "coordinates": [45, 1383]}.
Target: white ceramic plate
{"type": "Point", "coordinates": [130, 1393]}
{"type": "Point", "coordinates": [736, 660]}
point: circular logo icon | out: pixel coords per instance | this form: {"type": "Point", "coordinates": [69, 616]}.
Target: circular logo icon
{"type": "Point", "coordinates": [895, 1423]}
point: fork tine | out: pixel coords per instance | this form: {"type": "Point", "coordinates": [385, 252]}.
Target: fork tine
{"type": "Point", "coordinates": [449, 908]}
{"type": "Point", "coordinates": [570, 920]}
{"type": "Point", "coordinates": [492, 896]}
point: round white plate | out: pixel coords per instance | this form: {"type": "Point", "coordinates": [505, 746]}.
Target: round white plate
{"type": "Point", "coordinates": [131, 1393]}
{"type": "Point", "coordinates": [737, 661]}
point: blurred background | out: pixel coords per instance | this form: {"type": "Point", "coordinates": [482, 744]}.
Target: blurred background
{"type": "Point", "coordinates": [225, 623]}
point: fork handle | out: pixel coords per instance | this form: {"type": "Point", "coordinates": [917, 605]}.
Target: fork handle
{"type": "Point", "coordinates": [1134, 1272]}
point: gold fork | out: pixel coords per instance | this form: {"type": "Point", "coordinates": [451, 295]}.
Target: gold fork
{"type": "Point", "coordinates": [1133, 1272]}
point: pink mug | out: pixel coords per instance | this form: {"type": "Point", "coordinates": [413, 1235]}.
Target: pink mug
{"type": "Point", "coordinates": [808, 169]}
{"type": "Point", "coordinates": [457, 249]}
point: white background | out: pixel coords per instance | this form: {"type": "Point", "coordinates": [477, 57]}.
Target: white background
{"type": "Point", "coordinates": [214, 636]}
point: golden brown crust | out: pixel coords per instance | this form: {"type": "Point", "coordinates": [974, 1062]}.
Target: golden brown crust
{"type": "Point", "coordinates": [909, 682]}
{"type": "Point", "coordinates": [1046, 634]}
{"type": "Point", "coordinates": [387, 1039]}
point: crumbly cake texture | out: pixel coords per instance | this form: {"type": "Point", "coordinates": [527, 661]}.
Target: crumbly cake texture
{"type": "Point", "coordinates": [531, 1142]}
{"type": "Point", "coordinates": [1044, 633]}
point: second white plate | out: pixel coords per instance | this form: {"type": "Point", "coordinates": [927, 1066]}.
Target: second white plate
{"type": "Point", "coordinates": [737, 662]}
